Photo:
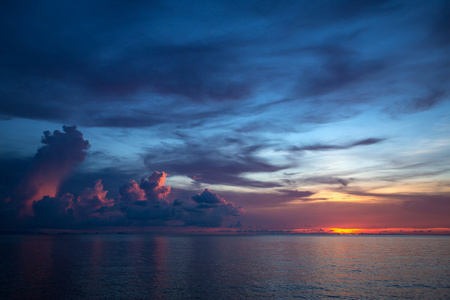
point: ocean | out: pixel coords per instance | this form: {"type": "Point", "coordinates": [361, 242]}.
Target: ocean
{"type": "Point", "coordinates": [141, 266]}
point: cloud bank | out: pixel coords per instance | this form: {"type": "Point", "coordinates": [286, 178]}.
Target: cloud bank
{"type": "Point", "coordinates": [38, 203]}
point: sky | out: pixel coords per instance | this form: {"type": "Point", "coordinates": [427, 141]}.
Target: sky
{"type": "Point", "coordinates": [240, 116]}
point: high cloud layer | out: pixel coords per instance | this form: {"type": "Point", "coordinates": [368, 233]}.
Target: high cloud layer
{"type": "Point", "coordinates": [216, 52]}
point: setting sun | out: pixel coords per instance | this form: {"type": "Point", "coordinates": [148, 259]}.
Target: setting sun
{"type": "Point", "coordinates": [225, 149]}
{"type": "Point", "coordinates": [345, 231]}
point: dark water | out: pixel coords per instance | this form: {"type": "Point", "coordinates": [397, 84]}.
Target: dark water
{"type": "Point", "coordinates": [139, 266]}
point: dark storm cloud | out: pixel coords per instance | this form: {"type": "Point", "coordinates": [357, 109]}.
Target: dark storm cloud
{"type": "Point", "coordinates": [53, 212]}
{"type": "Point", "coordinates": [111, 176]}
{"type": "Point", "coordinates": [63, 148]}
{"type": "Point", "coordinates": [207, 197]}
{"type": "Point", "coordinates": [90, 208]}
{"type": "Point", "coordinates": [210, 210]}
{"type": "Point", "coordinates": [37, 202]}
{"type": "Point", "coordinates": [325, 147]}
{"type": "Point", "coordinates": [52, 163]}
{"type": "Point", "coordinates": [143, 204]}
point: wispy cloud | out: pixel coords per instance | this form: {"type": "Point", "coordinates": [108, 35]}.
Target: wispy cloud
{"type": "Point", "coordinates": [328, 147]}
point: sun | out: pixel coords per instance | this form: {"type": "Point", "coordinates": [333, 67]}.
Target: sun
{"type": "Point", "coordinates": [345, 230]}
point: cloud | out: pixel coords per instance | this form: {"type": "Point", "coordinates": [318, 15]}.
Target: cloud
{"type": "Point", "coordinates": [207, 197]}
{"type": "Point", "coordinates": [153, 57]}
{"type": "Point", "coordinates": [53, 163]}
{"type": "Point", "coordinates": [147, 200]}
{"type": "Point", "coordinates": [235, 82]}
{"type": "Point", "coordinates": [91, 201]}
{"type": "Point", "coordinates": [296, 194]}
{"type": "Point", "coordinates": [439, 28]}
{"type": "Point", "coordinates": [327, 180]}
{"type": "Point", "coordinates": [206, 210]}
{"type": "Point", "coordinates": [205, 161]}
{"type": "Point", "coordinates": [91, 209]}
{"type": "Point", "coordinates": [338, 71]}
{"type": "Point", "coordinates": [53, 212]}
{"type": "Point", "coordinates": [138, 204]}
{"type": "Point", "coordinates": [325, 147]}
{"type": "Point", "coordinates": [269, 199]}
{"type": "Point", "coordinates": [154, 187]}
{"type": "Point", "coordinates": [417, 104]}
{"type": "Point", "coordinates": [210, 210]}
{"type": "Point", "coordinates": [48, 76]}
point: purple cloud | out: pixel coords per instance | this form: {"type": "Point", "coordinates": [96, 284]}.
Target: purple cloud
{"type": "Point", "coordinates": [53, 163]}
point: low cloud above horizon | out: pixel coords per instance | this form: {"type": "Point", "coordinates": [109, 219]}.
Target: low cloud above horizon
{"type": "Point", "coordinates": [327, 114]}
{"type": "Point", "coordinates": [37, 202]}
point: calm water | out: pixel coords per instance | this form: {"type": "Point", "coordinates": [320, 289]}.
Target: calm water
{"type": "Point", "coordinates": [223, 267]}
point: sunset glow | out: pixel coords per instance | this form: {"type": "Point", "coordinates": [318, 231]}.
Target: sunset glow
{"type": "Point", "coordinates": [242, 117]}
{"type": "Point", "coordinates": [252, 149]}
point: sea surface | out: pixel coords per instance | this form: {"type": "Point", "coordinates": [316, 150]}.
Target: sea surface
{"type": "Point", "coordinates": [140, 266]}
